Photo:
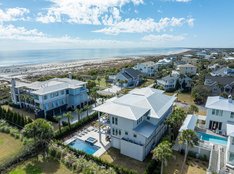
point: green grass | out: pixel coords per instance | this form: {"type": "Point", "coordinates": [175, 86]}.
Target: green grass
{"type": "Point", "coordinates": [41, 166]}
{"type": "Point", "coordinates": [9, 146]}
{"type": "Point", "coordinates": [113, 156]}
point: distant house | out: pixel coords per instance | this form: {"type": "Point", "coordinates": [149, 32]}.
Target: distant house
{"type": "Point", "coordinates": [187, 69]}
{"type": "Point", "coordinates": [148, 68]}
{"type": "Point", "coordinates": [219, 84]}
{"type": "Point", "coordinates": [188, 60]}
{"type": "Point", "coordinates": [173, 81]}
{"type": "Point", "coordinates": [225, 71]}
{"type": "Point", "coordinates": [128, 77]}
{"type": "Point", "coordinates": [165, 62]}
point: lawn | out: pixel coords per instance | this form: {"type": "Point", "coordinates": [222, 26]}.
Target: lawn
{"type": "Point", "coordinates": [102, 83]}
{"type": "Point", "coordinates": [193, 166]}
{"type": "Point", "coordinates": [40, 166]}
{"type": "Point", "coordinates": [9, 146]}
{"type": "Point", "coordinates": [20, 111]}
{"type": "Point", "coordinates": [113, 156]}
{"type": "Point", "coordinates": [147, 83]}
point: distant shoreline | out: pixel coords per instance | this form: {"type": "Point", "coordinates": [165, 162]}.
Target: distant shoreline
{"type": "Point", "coordinates": [22, 71]}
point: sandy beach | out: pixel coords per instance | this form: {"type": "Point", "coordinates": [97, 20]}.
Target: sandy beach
{"type": "Point", "coordinates": [23, 71]}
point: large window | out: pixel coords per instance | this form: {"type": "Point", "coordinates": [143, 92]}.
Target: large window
{"type": "Point", "coordinates": [45, 97]}
{"type": "Point", "coordinates": [217, 112]}
{"type": "Point", "coordinates": [232, 115]}
{"type": "Point", "coordinates": [231, 158]}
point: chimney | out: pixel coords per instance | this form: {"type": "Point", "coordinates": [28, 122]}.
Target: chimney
{"type": "Point", "coordinates": [230, 99]}
{"type": "Point", "coordinates": [70, 75]}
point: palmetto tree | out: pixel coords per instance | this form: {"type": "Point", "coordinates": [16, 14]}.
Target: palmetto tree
{"type": "Point", "coordinates": [79, 111]}
{"type": "Point", "coordinates": [94, 94]}
{"type": "Point", "coordinates": [189, 139]}
{"type": "Point", "coordinates": [163, 152]}
{"type": "Point", "coordinates": [87, 107]}
{"type": "Point", "coordinates": [69, 117]}
{"type": "Point", "coordinates": [58, 119]}
{"type": "Point", "coordinates": [175, 120]}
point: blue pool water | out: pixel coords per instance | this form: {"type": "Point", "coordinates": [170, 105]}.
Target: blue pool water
{"type": "Point", "coordinates": [84, 146]}
{"type": "Point", "coordinates": [211, 138]}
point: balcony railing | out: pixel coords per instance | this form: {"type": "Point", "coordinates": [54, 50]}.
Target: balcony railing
{"type": "Point", "coordinates": [132, 141]}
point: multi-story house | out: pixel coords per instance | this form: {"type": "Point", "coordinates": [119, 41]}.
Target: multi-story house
{"type": "Point", "coordinates": [187, 69]}
{"type": "Point", "coordinates": [136, 120]}
{"type": "Point", "coordinates": [49, 97]}
{"type": "Point", "coordinates": [219, 84]}
{"type": "Point", "coordinates": [220, 112]}
{"type": "Point", "coordinates": [128, 78]}
{"type": "Point", "coordinates": [148, 68]}
{"type": "Point", "coordinates": [220, 118]}
{"type": "Point", "coordinates": [174, 81]}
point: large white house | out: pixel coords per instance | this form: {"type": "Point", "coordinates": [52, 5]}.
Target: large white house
{"type": "Point", "coordinates": [49, 97]}
{"type": "Point", "coordinates": [220, 112]}
{"type": "Point", "coordinates": [135, 121]}
{"type": "Point", "coordinates": [148, 68]}
{"type": "Point", "coordinates": [187, 69]}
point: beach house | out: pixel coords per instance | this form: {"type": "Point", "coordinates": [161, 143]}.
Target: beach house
{"type": "Point", "coordinates": [49, 97]}
{"type": "Point", "coordinates": [135, 121]}
{"type": "Point", "coordinates": [148, 68]}
{"type": "Point", "coordinates": [128, 78]}
{"type": "Point", "coordinates": [187, 69]}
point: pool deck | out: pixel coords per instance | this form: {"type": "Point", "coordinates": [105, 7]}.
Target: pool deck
{"type": "Point", "coordinates": [92, 132]}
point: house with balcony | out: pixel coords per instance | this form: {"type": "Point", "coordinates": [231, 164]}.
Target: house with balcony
{"type": "Point", "coordinates": [50, 97]}
{"type": "Point", "coordinates": [174, 81]}
{"type": "Point", "coordinates": [219, 84]}
{"type": "Point", "coordinates": [135, 121]}
{"type": "Point", "coordinates": [187, 69]}
{"type": "Point", "coordinates": [128, 78]}
{"type": "Point", "coordinates": [148, 68]}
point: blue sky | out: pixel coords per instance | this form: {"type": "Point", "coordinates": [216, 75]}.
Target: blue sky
{"type": "Point", "coordinates": [38, 24]}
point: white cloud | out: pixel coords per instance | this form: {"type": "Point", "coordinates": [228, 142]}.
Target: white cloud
{"type": "Point", "coordinates": [163, 38]}
{"type": "Point", "coordinates": [13, 14]}
{"type": "Point", "coordinates": [84, 11]}
{"type": "Point", "coordinates": [143, 25]}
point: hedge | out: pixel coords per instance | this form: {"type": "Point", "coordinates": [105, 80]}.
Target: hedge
{"type": "Point", "coordinates": [14, 118]}
{"type": "Point", "coordinates": [118, 169]}
{"type": "Point", "coordinates": [65, 131]}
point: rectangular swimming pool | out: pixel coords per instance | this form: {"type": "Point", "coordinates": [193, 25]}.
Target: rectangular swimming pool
{"type": "Point", "coordinates": [84, 146]}
{"type": "Point", "coordinates": [212, 138]}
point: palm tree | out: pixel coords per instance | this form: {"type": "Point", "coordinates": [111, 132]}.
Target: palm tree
{"type": "Point", "coordinates": [175, 120]}
{"type": "Point", "coordinates": [69, 117]}
{"type": "Point", "coordinates": [94, 94]}
{"type": "Point", "coordinates": [189, 139]}
{"type": "Point", "coordinates": [58, 119]}
{"type": "Point", "coordinates": [163, 152]}
{"type": "Point", "coordinates": [87, 107]}
{"type": "Point", "coordinates": [79, 111]}
{"type": "Point", "coordinates": [193, 109]}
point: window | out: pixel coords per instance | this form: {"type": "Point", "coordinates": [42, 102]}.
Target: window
{"type": "Point", "coordinates": [113, 120]}
{"type": "Point", "coordinates": [213, 111]}
{"type": "Point", "coordinates": [45, 97]}
{"type": "Point", "coordinates": [232, 141]}
{"type": "Point", "coordinates": [119, 132]}
{"type": "Point", "coordinates": [116, 121]}
{"type": "Point", "coordinates": [113, 131]}
{"type": "Point", "coordinates": [67, 91]}
{"type": "Point", "coordinates": [134, 135]}
{"type": "Point", "coordinates": [126, 133]}
{"type": "Point", "coordinates": [232, 115]}
{"type": "Point", "coordinates": [148, 118]}
{"type": "Point", "coordinates": [62, 92]}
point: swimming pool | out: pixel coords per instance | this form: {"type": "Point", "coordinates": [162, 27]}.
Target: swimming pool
{"type": "Point", "coordinates": [212, 138]}
{"type": "Point", "coordinates": [83, 146]}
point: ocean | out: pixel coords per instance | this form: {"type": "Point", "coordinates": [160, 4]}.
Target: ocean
{"type": "Point", "coordinates": [25, 57]}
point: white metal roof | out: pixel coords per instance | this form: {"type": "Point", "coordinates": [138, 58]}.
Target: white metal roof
{"type": "Point", "coordinates": [189, 123]}
{"type": "Point", "coordinates": [220, 103]}
{"type": "Point", "coordinates": [141, 101]}
{"type": "Point", "coordinates": [52, 85]}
